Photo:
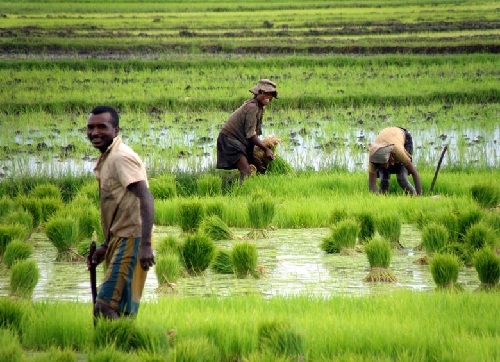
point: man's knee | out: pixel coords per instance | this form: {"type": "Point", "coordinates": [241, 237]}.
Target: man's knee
{"type": "Point", "coordinates": [104, 311]}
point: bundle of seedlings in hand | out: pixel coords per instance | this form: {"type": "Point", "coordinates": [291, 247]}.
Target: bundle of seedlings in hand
{"type": "Point", "coordinates": [342, 238]}
{"type": "Point", "coordinates": [261, 210]}
{"type": "Point", "coordinates": [24, 275]}
{"type": "Point", "coordinates": [444, 270]}
{"type": "Point", "coordinates": [378, 252]}
{"type": "Point", "coordinates": [244, 259]}
{"type": "Point", "coordinates": [217, 229]}
{"type": "Point", "coordinates": [198, 252]}
{"type": "Point", "coordinates": [167, 270]}
{"type": "Point", "coordinates": [270, 142]}
{"type": "Point", "coordinates": [487, 265]}
{"type": "Point", "coordinates": [17, 250]}
{"type": "Point", "coordinates": [64, 234]}
{"type": "Point", "coordinates": [389, 227]}
{"type": "Point", "coordinates": [190, 215]}
{"type": "Point", "coordinates": [486, 195]}
{"type": "Point", "coordinates": [223, 263]}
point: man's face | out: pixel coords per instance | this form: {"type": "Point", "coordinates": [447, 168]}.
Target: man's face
{"type": "Point", "coordinates": [100, 131]}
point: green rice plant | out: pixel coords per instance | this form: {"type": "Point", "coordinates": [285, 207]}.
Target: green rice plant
{"type": "Point", "coordinates": [378, 252]}
{"type": "Point", "coordinates": [487, 265]}
{"type": "Point", "coordinates": [190, 215]}
{"type": "Point", "coordinates": [244, 259]}
{"type": "Point", "coordinates": [83, 247]}
{"type": "Point", "coordinates": [17, 250]}
{"type": "Point", "coordinates": [163, 187]}
{"type": "Point", "coordinates": [124, 334]}
{"type": "Point", "coordinates": [486, 195]}
{"type": "Point", "coordinates": [217, 208]}
{"type": "Point", "coordinates": [492, 219]}
{"type": "Point", "coordinates": [11, 350]}
{"type": "Point", "coordinates": [86, 215]}
{"type": "Point", "coordinates": [480, 235]}
{"type": "Point", "coordinates": [7, 205]}
{"type": "Point", "coordinates": [167, 245]}
{"type": "Point", "coordinates": [279, 166]}
{"type": "Point", "coordinates": [209, 185]}
{"type": "Point", "coordinates": [46, 191]}
{"type": "Point", "coordinates": [33, 206]}
{"type": "Point", "coordinates": [12, 311]}
{"type": "Point", "coordinates": [444, 270]}
{"type": "Point", "coordinates": [450, 221]}
{"type": "Point", "coordinates": [280, 339]}
{"type": "Point", "coordinates": [261, 210]}
{"type": "Point", "coordinates": [434, 237]}
{"type": "Point", "coordinates": [366, 222]}
{"type": "Point", "coordinates": [24, 277]}
{"type": "Point", "coordinates": [50, 206]}
{"type": "Point", "coordinates": [216, 229]}
{"type": "Point", "coordinates": [11, 232]}
{"type": "Point", "coordinates": [64, 234]}
{"type": "Point", "coordinates": [389, 227]}
{"type": "Point", "coordinates": [19, 217]}
{"type": "Point", "coordinates": [342, 236]}
{"type": "Point", "coordinates": [337, 215]}
{"type": "Point", "coordinates": [89, 191]}
{"type": "Point", "coordinates": [461, 250]}
{"type": "Point", "coordinates": [110, 353]}
{"type": "Point", "coordinates": [167, 269]}
{"type": "Point", "coordinates": [223, 263]}
{"type": "Point", "coordinates": [198, 251]}
{"type": "Point", "coordinates": [196, 349]}
{"type": "Point", "coordinates": [57, 354]}
{"type": "Point", "coordinates": [465, 220]}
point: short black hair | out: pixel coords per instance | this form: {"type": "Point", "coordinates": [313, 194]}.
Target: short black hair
{"type": "Point", "coordinates": [115, 119]}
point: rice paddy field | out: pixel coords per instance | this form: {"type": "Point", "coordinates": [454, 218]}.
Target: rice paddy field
{"type": "Point", "coordinates": [175, 71]}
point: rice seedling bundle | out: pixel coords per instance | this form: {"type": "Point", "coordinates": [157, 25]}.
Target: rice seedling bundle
{"type": "Point", "coordinates": [244, 259]}
{"type": "Point", "coordinates": [50, 206]}
{"type": "Point", "coordinates": [11, 232]}
{"type": "Point", "coordinates": [12, 311]}
{"type": "Point", "coordinates": [486, 195]}
{"type": "Point", "coordinates": [64, 234]}
{"type": "Point", "coordinates": [24, 276]}
{"type": "Point", "coordinates": [279, 166]}
{"type": "Point", "coordinates": [17, 250]}
{"type": "Point", "coordinates": [167, 245]}
{"type": "Point", "coordinates": [163, 187]}
{"type": "Point", "coordinates": [198, 251]}
{"type": "Point", "coordinates": [389, 227]}
{"type": "Point", "coordinates": [466, 219]}
{"type": "Point", "coordinates": [378, 252]}
{"type": "Point", "coordinates": [222, 263]}
{"type": "Point", "coordinates": [19, 217]}
{"type": "Point", "coordinates": [480, 235]}
{"type": "Point", "coordinates": [280, 339]}
{"type": "Point", "coordinates": [366, 222]}
{"type": "Point", "coordinates": [44, 191]}
{"type": "Point", "coordinates": [261, 209]}
{"type": "Point", "coordinates": [216, 208]}
{"type": "Point", "coordinates": [7, 205]}
{"type": "Point", "coordinates": [197, 349]}
{"type": "Point", "coordinates": [342, 236]}
{"type": "Point", "coordinates": [487, 264]}
{"type": "Point", "coordinates": [191, 214]}
{"type": "Point", "coordinates": [11, 346]}
{"type": "Point", "coordinates": [124, 334]}
{"type": "Point", "coordinates": [209, 185]}
{"type": "Point", "coordinates": [434, 237]}
{"type": "Point", "coordinates": [167, 269]}
{"type": "Point", "coordinates": [216, 229]}
{"type": "Point", "coordinates": [444, 270]}
{"type": "Point", "coordinates": [33, 206]}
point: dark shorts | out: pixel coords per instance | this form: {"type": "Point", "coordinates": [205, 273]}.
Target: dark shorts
{"type": "Point", "coordinates": [229, 151]}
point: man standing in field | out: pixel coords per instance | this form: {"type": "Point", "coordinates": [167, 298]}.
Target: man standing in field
{"type": "Point", "coordinates": [127, 210]}
{"type": "Point", "coordinates": [391, 153]}
{"type": "Point", "coordinates": [240, 134]}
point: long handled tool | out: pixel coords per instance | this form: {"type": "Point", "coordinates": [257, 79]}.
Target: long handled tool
{"type": "Point", "coordinates": [438, 167]}
{"type": "Point", "coordinates": [93, 282]}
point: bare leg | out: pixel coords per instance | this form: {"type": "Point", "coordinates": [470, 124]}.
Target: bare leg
{"type": "Point", "coordinates": [244, 168]}
{"type": "Point", "coordinates": [104, 311]}
{"type": "Point", "coordinates": [384, 181]}
{"type": "Point", "coordinates": [404, 183]}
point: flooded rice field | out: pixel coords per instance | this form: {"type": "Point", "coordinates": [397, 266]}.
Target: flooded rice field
{"type": "Point", "coordinates": [292, 261]}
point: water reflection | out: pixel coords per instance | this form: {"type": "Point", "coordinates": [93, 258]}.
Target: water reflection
{"type": "Point", "coordinates": [292, 259]}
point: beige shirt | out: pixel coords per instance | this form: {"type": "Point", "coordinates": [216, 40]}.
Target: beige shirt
{"type": "Point", "coordinates": [393, 136]}
{"type": "Point", "coordinates": [117, 168]}
{"type": "Point", "coordinates": [245, 122]}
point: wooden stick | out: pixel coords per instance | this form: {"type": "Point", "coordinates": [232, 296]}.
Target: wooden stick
{"type": "Point", "coordinates": [438, 167]}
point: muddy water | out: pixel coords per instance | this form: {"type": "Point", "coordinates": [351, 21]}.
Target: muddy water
{"type": "Point", "coordinates": [292, 261]}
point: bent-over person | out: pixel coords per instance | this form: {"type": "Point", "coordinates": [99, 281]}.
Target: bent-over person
{"type": "Point", "coordinates": [240, 134]}
{"type": "Point", "coordinates": [127, 211]}
{"type": "Point", "coordinates": [391, 153]}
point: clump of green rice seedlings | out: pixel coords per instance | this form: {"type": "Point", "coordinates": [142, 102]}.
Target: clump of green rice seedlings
{"type": "Point", "coordinates": [167, 245]}
{"type": "Point", "coordinates": [58, 354]}
{"type": "Point", "coordinates": [83, 247]}
{"type": "Point", "coordinates": [492, 219]}
{"type": "Point", "coordinates": [486, 195]}
{"type": "Point", "coordinates": [480, 235]}
{"type": "Point", "coordinates": [342, 238]}
{"type": "Point", "coordinates": [7, 205]}
{"type": "Point", "coordinates": [434, 237]}
{"type": "Point", "coordinates": [11, 346]}
{"type": "Point", "coordinates": [163, 187]}
{"type": "Point", "coordinates": [167, 269]}
{"type": "Point", "coordinates": [19, 217]}
{"type": "Point", "coordinates": [244, 259]}
{"type": "Point", "coordinates": [222, 263]}
{"type": "Point", "coordinates": [487, 265]}
{"type": "Point", "coordinates": [378, 252]}
{"type": "Point", "coordinates": [198, 251]}
{"type": "Point", "coordinates": [197, 349]}
{"type": "Point", "coordinates": [217, 229]}
{"type": "Point", "coordinates": [86, 215]}
{"type": "Point", "coordinates": [337, 215]}
{"type": "Point", "coordinates": [215, 208]}
{"type": "Point", "coordinates": [50, 206]}
{"type": "Point", "coordinates": [24, 277]}
{"type": "Point", "coordinates": [17, 250]}
{"type": "Point", "coordinates": [389, 227]}
{"type": "Point", "coordinates": [90, 191]}
{"type": "Point", "coordinates": [46, 191]}
{"type": "Point", "coordinates": [444, 270]}
{"type": "Point", "coordinates": [261, 210]}
{"type": "Point", "coordinates": [11, 232]}
{"type": "Point", "coordinates": [280, 339]}
{"type": "Point", "coordinates": [64, 234]}
{"type": "Point", "coordinates": [191, 214]}
{"type": "Point", "coordinates": [279, 166]}
{"type": "Point", "coordinates": [466, 219]}
{"type": "Point", "coordinates": [33, 206]}
{"type": "Point", "coordinates": [12, 311]}
{"type": "Point", "coordinates": [123, 334]}
{"type": "Point", "coordinates": [366, 222]}
{"type": "Point", "coordinates": [209, 185]}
